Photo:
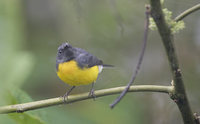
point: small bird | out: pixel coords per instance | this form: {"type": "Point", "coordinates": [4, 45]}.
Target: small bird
{"type": "Point", "coordinates": [76, 67]}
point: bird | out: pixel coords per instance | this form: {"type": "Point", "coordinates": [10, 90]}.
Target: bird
{"type": "Point", "coordinates": [76, 66]}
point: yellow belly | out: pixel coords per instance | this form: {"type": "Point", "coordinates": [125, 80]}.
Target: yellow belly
{"type": "Point", "coordinates": [71, 74]}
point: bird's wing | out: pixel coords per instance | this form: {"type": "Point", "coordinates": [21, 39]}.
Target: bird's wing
{"type": "Point", "coordinates": [85, 59]}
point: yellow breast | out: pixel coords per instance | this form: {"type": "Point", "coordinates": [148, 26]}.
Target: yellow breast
{"type": "Point", "coordinates": [71, 74]}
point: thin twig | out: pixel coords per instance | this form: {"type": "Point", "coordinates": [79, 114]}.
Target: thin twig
{"type": "Point", "coordinates": [139, 61]}
{"type": "Point", "coordinates": [187, 12]}
{"type": "Point", "coordinates": [83, 96]}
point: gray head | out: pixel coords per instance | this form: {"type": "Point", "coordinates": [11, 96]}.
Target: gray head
{"type": "Point", "coordinates": [65, 53]}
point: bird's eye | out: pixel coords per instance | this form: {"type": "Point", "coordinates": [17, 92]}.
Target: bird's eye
{"type": "Point", "coordinates": [60, 51]}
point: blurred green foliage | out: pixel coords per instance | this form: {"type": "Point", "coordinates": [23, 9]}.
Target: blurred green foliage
{"type": "Point", "coordinates": [16, 64]}
{"type": "Point", "coordinates": [31, 31]}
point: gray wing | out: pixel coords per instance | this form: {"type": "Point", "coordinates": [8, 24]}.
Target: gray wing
{"type": "Point", "coordinates": [85, 59]}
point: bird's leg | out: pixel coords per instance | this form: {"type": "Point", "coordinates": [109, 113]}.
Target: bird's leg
{"type": "Point", "coordinates": [65, 96]}
{"type": "Point", "coordinates": [91, 93]}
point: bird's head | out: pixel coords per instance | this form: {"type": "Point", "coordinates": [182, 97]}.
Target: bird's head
{"type": "Point", "coordinates": [65, 53]}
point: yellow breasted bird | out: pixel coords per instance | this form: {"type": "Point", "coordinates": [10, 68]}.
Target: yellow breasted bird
{"type": "Point", "coordinates": [76, 67]}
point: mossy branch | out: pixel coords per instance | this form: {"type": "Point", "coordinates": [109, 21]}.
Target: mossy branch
{"type": "Point", "coordinates": [75, 98]}
{"type": "Point", "coordinates": [179, 96]}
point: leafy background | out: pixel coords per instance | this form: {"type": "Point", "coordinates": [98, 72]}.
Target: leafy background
{"type": "Point", "coordinates": [31, 31]}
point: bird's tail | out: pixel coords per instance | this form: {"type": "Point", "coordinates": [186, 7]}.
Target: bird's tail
{"type": "Point", "coordinates": [108, 66]}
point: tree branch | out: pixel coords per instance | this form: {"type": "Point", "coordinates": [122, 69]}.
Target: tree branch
{"type": "Point", "coordinates": [83, 96]}
{"type": "Point", "coordinates": [179, 94]}
{"type": "Point", "coordinates": [187, 12]}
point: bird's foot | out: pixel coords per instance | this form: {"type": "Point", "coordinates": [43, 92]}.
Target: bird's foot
{"type": "Point", "coordinates": [91, 94]}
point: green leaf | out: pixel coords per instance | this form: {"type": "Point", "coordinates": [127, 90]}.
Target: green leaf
{"type": "Point", "coordinates": [15, 95]}
{"type": "Point", "coordinates": [25, 118]}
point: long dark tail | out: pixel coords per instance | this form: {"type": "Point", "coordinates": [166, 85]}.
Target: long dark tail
{"type": "Point", "coordinates": [108, 66]}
